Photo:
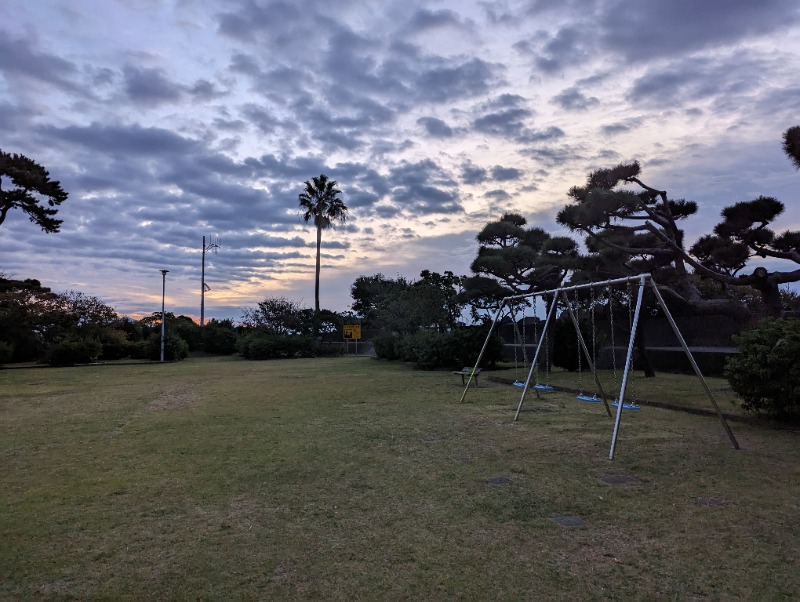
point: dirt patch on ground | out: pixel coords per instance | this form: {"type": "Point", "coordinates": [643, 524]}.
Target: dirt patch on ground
{"type": "Point", "coordinates": [173, 401]}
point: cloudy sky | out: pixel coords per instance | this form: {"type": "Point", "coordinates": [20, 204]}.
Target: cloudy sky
{"type": "Point", "coordinates": [168, 120]}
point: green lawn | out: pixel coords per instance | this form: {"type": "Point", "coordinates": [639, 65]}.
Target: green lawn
{"type": "Point", "coordinates": [352, 478]}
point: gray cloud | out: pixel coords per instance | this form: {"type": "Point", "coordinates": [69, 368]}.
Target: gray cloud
{"type": "Point", "coordinates": [572, 99]}
{"type": "Point", "coordinates": [565, 49]}
{"type": "Point", "coordinates": [19, 59]}
{"type": "Point", "coordinates": [498, 195]}
{"type": "Point", "coordinates": [620, 127]}
{"type": "Point", "coordinates": [505, 174]}
{"type": "Point", "coordinates": [436, 128]}
{"type": "Point", "coordinates": [426, 20]}
{"type": "Point", "coordinates": [695, 79]}
{"type": "Point", "coordinates": [644, 29]}
{"type": "Point", "coordinates": [466, 79]}
{"type": "Point", "coordinates": [472, 174]}
{"type": "Point", "coordinates": [150, 86]}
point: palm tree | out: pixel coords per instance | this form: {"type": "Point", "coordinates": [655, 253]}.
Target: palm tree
{"type": "Point", "coordinates": [320, 201]}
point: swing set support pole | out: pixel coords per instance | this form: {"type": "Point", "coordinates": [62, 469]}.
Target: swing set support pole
{"type": "Point", "coordinates": [695, 367]}
{"type": "Point", "coordinates": [628, 360]}
{"type": "Point", "coordinates": [483, 349]}
{"type": "Point", "coordinates": [536, 355]}
{"type": "Point", "coordinates": [586, 352]}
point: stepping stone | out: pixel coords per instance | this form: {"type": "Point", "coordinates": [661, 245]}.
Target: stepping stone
{"type": "Point", "coordinates": [617, 479]}
{"type": "Point", "coordinates": [499, 481]}
{"type": "Point", "coordinates": [569, 521]}
{"type": "Point", "coordinates": [709, 501]}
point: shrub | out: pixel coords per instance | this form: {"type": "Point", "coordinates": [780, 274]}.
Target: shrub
{"type": "Point", "coordinates": [330, 349]}
{"type": "Point", "coordinates": [140, 350]}
{"type": "Point", "coordinates": [384, 345]}
{"type": "Point", "coordinates": [6, 352]}
{"type": "Point", "coordinates": [175, 348]}
{"type": "Point", "coordinates": [465, 344]}
{"type": "Point", "coordinates": [115, 344]}
{"type": "Point", "coordinates": [68, 352]}
{"type": "Point", "coordinates": [186, 329]}
{"type": "Point", "coordinates": [219, 339]}
{"type": "Point", "coordinates": [264, 346]}
{"type": "Point", "coordinates": [766, 372]}
{"type": "Point", "coordinates": [432, 350]}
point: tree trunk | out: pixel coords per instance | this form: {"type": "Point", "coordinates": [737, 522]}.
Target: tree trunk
{"type": "Point", "coordinates": [316, 280]}
{"type": "Point", "coordinates": [770, 295]}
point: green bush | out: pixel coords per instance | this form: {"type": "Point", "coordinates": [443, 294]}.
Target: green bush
{"type": "Point", "coordinates": [330, 349]}
{"type": "Point", "coordinates": [175, 348]}
{"type": "Point", "coordinates": [766, 372]}
{"type": "Point", "coordinates": [188, 330]}
{"type": "Point", "coordinates": [115, 344]}
{"type": "Point", "coordinates": [264, 346]}
{"type": "Point", "coordinates": [404, 348]}
{"type": "Point", "coordinates": [219, 339]}
{"type": "Point", "coordinates": [68, 352]}
{"type": "Point", "coordinates": [139, 350]}
{"type": "Point", "coordinates": [384, 345]}
{"type": "Point", "coordinates": [433, 350]}
{"type": "Point", "coordinates": [6, 352]}
{"type": "Point", "coordinates": [465, 344]}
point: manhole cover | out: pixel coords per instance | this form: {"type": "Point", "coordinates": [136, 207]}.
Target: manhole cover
{"type": "Point", "coordinates": [617, 479]}
{"type": "Point", "coordinates": [499, 481]}
{"type": "Point", "coordinates": [569, 521]}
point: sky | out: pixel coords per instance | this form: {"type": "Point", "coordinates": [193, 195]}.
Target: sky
{"type": "Point", "coordinates": [171, 120]}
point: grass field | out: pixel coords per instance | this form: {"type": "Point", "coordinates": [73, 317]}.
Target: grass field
{"type": "Point", "coordinates": [352, 478]}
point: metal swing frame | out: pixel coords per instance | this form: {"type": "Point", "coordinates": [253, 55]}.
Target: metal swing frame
{"type": "Point", "coordinates": [561, 293]}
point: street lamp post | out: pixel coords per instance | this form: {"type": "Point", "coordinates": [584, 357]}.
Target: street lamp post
{"type": "Point", "coordinates": [163, 322]}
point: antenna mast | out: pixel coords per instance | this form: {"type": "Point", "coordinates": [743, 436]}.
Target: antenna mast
{"type": "Point", "coordinates": [213, 245]}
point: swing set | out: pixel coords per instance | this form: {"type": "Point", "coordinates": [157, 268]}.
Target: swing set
{"type": "Point", "coordinates": [573, 311]}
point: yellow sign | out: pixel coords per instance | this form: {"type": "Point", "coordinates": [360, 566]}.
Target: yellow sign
{"type": "Point", "coordinates": [352, 332]}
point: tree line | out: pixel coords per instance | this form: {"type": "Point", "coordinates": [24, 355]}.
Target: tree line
{"type": "Point", "coordinates": [628, 227]}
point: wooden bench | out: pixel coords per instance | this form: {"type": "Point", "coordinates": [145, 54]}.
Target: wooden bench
{"type": "Point", "coordinates": [465, 372]}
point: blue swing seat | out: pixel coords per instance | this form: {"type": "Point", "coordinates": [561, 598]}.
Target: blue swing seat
{"type": "Point", "coordinates": [589, 398]}
{"type": "Point", "coordinates": [539, 387]}
{"type": "Point", "coordinates": [627, 406]}
{"type": "Point", "coordinates": [516, 383]}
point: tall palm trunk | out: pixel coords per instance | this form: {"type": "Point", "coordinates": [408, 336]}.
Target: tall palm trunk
{"type": "Point", "coordinates": [316, 279]}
